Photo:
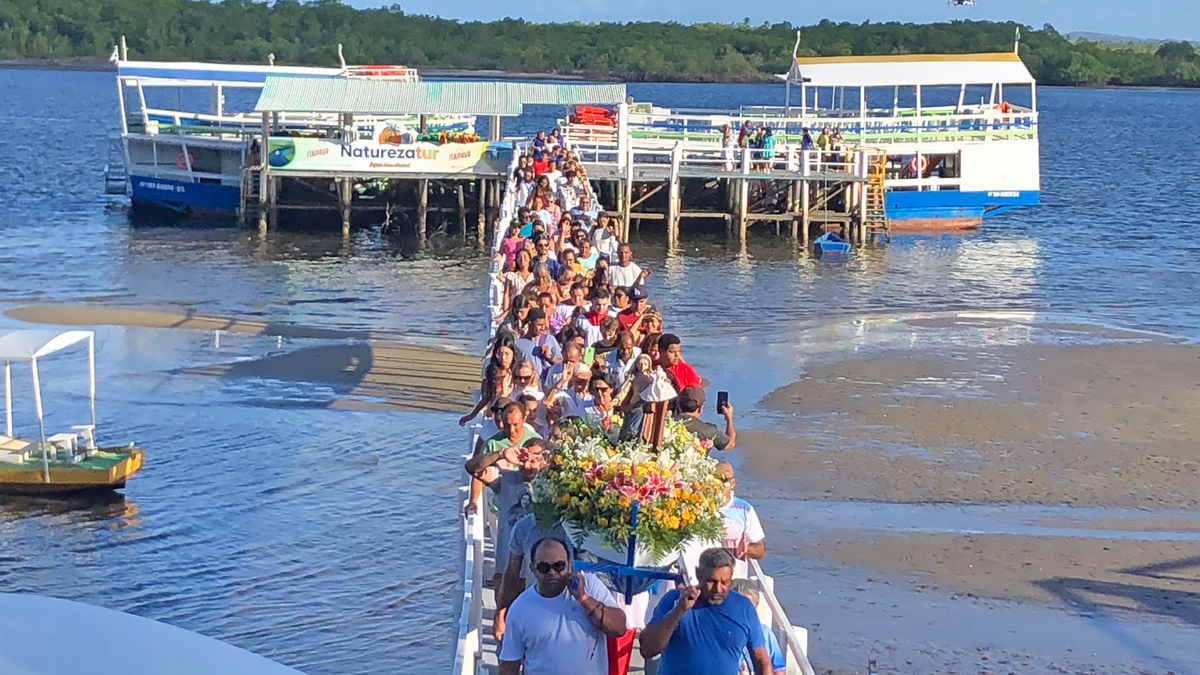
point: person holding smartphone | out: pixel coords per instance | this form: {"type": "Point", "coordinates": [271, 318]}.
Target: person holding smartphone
{"type": "Point", "coordinates": [691, 404]}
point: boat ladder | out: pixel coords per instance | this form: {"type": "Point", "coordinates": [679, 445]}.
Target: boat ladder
{"type": "Point", "coordinates": [876, 220]}
{"type": "Point", "coordinates": [116, 180]}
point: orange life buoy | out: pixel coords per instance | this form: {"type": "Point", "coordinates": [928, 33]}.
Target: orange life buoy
{"type": "Point", "coordinates": [184, 160]}
{"type": "Point", "coordinates": [918, 164]}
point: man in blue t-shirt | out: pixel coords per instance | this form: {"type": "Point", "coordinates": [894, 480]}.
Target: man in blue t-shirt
{"type": "Point", "coordinates": [703, 630]}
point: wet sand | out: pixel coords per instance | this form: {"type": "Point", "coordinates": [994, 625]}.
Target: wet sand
{"type": "Point", "coordinates": [368, 373]}
{"type": "Point", "coordinates": [1155, 579]}
{"type": "Point", "coordinates": [1045, 428]}
{"type": "Point", "coordinates": [1084, 425]}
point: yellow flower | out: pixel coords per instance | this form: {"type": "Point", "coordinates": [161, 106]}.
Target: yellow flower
{"type": "Point", "coordinates": [602, 521]}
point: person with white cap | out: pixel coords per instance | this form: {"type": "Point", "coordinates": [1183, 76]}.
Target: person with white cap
{"type": "Point", "coordinates": [570, 396]}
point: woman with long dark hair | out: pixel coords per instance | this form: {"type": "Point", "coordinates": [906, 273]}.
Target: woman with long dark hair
{"type": "Point", "coordinates": [497, 377]}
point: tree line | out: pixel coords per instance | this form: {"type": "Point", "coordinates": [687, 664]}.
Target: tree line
{"type": "Point", "coordinates": [308, 32]}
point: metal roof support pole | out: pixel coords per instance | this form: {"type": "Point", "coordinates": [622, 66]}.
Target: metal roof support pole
{"type": "Point", "coordinates": [494, 128]}
{"type": "Point", "coordinates": [862, 111]}
{"type": "Point", "coordinates": [264, 179]}
{"type": "Point", "coordinates": [787, 81]}
{"type": "Point", "coordinates": [8, 399]}
{"type": "Point", "coordinates": [628, 188]}
{"type": "Point", "coordinates": [623, 155]}
{"type": "Point", "coordinates": [37, 402]}
{"type": "Point", "coordinates": [92, 380]}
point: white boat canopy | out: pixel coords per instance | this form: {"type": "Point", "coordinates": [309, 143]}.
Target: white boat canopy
{"type": "Point", "coordinates": [29, 346]}
{"type": "Point", "coordinates": [190, 73]}
{"type": "Point", "coordinates": [907, 70]}
{"type": "Point", "coordinates": [26, 345]}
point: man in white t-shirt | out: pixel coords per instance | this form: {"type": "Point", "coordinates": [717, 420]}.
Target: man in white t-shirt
{"type": "Point", "coordinates": [561, 625]}
{"type": "Point", "coordinates": [626, 272]}
{"type": "Point", "coordinates": [744, 535]}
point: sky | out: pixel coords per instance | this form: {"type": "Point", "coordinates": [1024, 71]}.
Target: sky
{"type": "Point", "coordinates": [1161, 19]}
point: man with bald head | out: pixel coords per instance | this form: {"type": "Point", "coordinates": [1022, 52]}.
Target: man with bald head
{"type": "Point", "coordinates": [743, 536]}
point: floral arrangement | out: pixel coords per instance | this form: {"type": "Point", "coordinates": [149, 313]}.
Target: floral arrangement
{"type": "Point", "coordinates": [591, 482]}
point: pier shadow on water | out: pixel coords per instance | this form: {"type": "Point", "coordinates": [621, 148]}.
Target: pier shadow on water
{"type": "Point", "coordinates": [1102, 601]}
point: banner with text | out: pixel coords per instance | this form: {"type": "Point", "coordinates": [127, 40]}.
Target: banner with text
{"type": "Point", "coordinates": [371, 156]}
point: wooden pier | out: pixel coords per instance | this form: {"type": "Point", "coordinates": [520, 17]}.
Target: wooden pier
{"type": "Point", "coordinates": [343, 175]}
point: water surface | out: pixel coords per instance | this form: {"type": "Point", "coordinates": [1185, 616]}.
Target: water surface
{"type": "Point", "coordinates": [326, 539]}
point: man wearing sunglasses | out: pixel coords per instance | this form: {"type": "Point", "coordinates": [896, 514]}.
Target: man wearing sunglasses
{"type": "Point", "coordinates": [560, 626]}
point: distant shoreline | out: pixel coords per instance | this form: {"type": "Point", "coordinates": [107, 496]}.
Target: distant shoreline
{"type": "Point", "coordinates": [104, 65]}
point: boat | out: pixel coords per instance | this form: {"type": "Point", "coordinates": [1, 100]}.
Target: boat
{"type": "Point", "coordinates": [189, 139]}
{"type": "Point", "coordinates": [831, 244]}
{"type": "Point", "coordinates": [959, 146]}
{"type": "Point", "coordinates": [61, 463]}
{"type": "Point", "coordinates": [37, 642]}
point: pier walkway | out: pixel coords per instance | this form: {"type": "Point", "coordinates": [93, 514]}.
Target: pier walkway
{"type": "Point", "coordinates": [475, 650]}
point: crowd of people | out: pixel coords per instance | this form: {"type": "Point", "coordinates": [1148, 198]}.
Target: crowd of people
{"type": "Point", "coordinates": [577, 328]}
{"type": "Point", "coordinates": [760, 143]}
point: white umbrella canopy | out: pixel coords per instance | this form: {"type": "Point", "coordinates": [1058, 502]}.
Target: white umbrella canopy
{"type": "Point", "coordinates": [26, 345]}
{"type": "Point", "coordinates": [30, 345]}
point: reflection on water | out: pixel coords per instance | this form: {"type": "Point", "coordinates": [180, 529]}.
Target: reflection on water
{"type": "Point", "coordinates": [326, 539]}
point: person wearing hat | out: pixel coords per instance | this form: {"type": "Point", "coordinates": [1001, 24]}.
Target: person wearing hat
{"type": "Point", "coordinates": [570, 396]}
{"type": "Point", "coordinates": [626, 272]}
{"type": "Point", "coordinates": [691, 404]}
{"type": "Point", "coordinates": [630, 318]}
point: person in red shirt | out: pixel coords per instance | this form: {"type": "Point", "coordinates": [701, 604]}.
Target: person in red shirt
{"type": "Point", "coordinates": [601, 307]}
{"type": "Point", "coordinates": [670, 357]}
{"type": "Point", "coordinates": [541, 163]}
{"type": "Point", "coordinates": [631, 316]}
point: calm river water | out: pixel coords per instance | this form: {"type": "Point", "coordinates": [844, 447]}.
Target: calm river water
{"type": "Point", "coordinates": [325, 539]}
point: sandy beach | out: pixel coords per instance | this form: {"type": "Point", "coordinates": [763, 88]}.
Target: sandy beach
{"type": "Point", "coordinates": [1088, 452]}
{"type": "Point", "coordinates": [1050, 424]}
{"type": "Point", "coordinates": [368, 370]}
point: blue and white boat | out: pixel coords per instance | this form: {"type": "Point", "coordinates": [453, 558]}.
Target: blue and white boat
{"type": "Point", "coordinates": [190, 140]}
{"type": "Point", "coordinates": [960, 131]}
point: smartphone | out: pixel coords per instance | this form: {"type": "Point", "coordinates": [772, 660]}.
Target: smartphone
{"type": "Point", "coordinates": [722, 400]}
{"type": "Point", "coordinates": [589, 356]}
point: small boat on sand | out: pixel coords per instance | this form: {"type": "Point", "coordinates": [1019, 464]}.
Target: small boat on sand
{"type": "Point", "coordinates": [61, 463]}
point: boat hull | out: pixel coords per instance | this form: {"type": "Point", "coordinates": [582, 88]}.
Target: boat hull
{"type": "Point", "coordinates": [950, 210]}
{"type": "Point", "coordinates": [108, 471]}
{"type": "Point", "coordinates": [169, 196]}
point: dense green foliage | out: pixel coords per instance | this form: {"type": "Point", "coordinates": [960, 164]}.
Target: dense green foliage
{"type": "Point", "coordinates": [308, 32]}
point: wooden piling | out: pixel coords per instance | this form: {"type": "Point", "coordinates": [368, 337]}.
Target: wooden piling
{"type": "Point", "coordinates": [462, 209]}
{"type": "Point", "coordinates": [345, 197]}
{"type": "Point", "coordinates": [422, 207]}
{"type": "Point", "coordinates": [273, 220]}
